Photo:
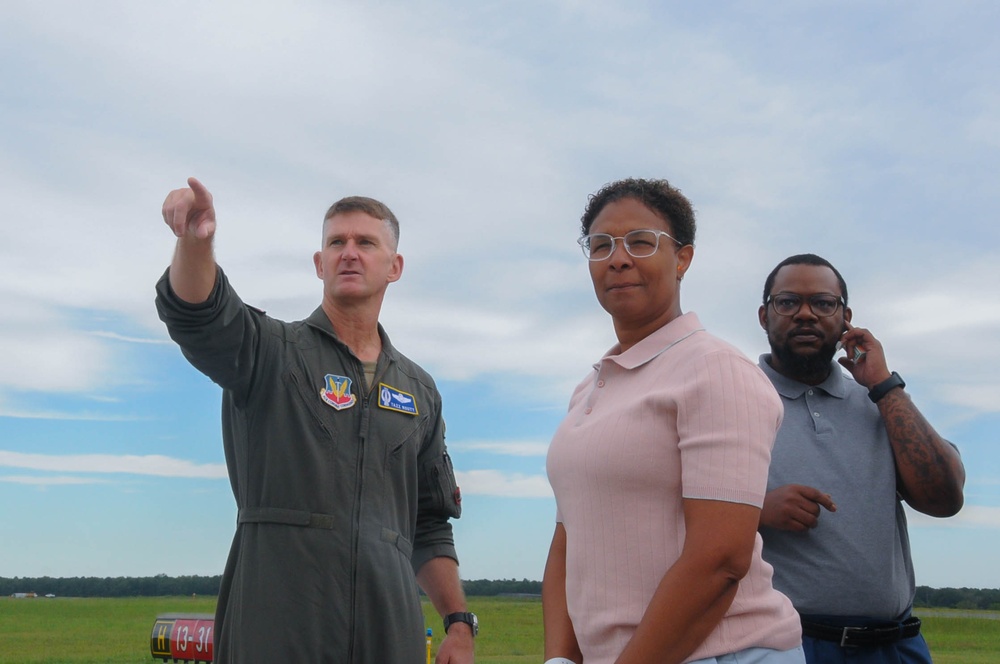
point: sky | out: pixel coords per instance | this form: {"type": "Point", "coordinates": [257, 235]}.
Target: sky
{"type": "Point", "coordinates": [866, 132]}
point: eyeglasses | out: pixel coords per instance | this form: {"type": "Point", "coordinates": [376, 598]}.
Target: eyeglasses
{"type": "Point", "coordinates": [789, 304]}
{"type": "Point", "coordinates": [638, 244]}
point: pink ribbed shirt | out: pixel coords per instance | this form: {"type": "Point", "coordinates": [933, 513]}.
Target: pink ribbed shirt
{"type": "Point", "coordinates": [680, 414]}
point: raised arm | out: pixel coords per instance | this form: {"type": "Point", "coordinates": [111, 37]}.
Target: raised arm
{"type": "Point", "coordinates": [190, 214]}
{"type": "Point", "coordinates": [931, 473]}
{"type": "Point", "coordinates": [930, 469]}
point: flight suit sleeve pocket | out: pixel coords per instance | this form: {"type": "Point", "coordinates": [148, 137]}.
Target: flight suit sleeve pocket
{"type": "Point", "coordinates": [446, 493]}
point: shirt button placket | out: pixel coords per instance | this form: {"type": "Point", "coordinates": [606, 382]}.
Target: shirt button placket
{"type": "Point", "coordinates": [599, 383]}
{"type": "Point", "coordinates": [815, 413]}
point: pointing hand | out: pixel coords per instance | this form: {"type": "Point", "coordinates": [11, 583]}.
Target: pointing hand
{"type": "Point", "coordinates": [189, 211]}
{"type": "Point", "coordinates": [794, 507]}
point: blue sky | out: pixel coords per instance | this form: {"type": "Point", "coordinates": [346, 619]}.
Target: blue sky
{"type": "Point", "coordinates": [866, 132]}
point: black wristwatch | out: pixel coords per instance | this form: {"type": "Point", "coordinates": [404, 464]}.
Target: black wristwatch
{"type": "Point", "coordinates": [470, 618]}
{"type": "Point", "coordinates": [882, 389]}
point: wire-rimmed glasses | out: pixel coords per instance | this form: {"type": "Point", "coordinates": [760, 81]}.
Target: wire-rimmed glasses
{"type": "Point", "coordinates": [638, 243]}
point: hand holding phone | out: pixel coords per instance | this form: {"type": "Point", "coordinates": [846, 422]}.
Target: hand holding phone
{"type": "Point", "coordinates": [865, 356]}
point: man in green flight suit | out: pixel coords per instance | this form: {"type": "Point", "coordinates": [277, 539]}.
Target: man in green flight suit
{"type": "Point", "coordinates": [335, 447]}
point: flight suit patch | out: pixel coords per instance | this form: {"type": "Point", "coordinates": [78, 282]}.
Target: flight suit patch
{"type": "Point", "coordinates": [337, 392]}
{"type": "Point", "coordinates": [391, 398]}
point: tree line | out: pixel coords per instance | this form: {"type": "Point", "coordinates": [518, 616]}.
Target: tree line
{"type": "Point", "coordinates": [958, 598]}
{"type": "Point", "coordinates": [162, 585]}
{"type": "Point", "coordinates": [121, 586]}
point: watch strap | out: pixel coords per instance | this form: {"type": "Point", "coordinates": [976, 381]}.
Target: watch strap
{"type": "Point", "coordinates": [462, 616]}
{"type": "Point", "coordinates": [883, 388]}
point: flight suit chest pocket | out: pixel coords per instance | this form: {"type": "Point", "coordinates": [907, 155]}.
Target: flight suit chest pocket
{"type": "Point", "coordinates": [308, 402]}
{"type": "Point", "coordinates": [402, 442]}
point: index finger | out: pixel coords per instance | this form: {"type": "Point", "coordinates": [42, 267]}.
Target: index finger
{"type": "Point", "coordinates": [855, 331]}
{"type": "Point", "coordinates": [202, 196]}
{"type": "Point", "coordinates": [824, 499]}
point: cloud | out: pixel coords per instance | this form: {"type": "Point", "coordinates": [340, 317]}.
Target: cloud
{"type": "Point", "coordinates": [518, 448]}
{"type": "Point", "coordinates": [971, 516]}
{"type": "Point", "coordinates": [489, 196]}
{"type": "Point", "coordinates": [982, 398]}
{"type": "Point", "coordinates": [49, 481]}
{"type": "Point", "coordinates": [484, 128]}
{"type": "Point", "coordinates": [132, 340]}
{"type": "Point", "coordinates": [932, 304]}
{"type": "Point", "coordinates": [40, 350]}
{"type": "Point", "coordinates": [152, 464]}
{"type": "Point", "coordinates": [36, 414]}
{"type": "Point", "coordinates": [508, 485]}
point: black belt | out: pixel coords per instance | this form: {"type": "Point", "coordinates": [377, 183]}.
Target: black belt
{"type": "Point", "coordinates": [875, 635]}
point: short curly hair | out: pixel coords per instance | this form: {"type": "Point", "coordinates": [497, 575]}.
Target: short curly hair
{"type": "Point", "coordinates": [659, 196]}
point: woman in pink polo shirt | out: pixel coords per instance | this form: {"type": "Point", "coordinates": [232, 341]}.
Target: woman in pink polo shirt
{"type": "Point", "coordinates": [659, 468]}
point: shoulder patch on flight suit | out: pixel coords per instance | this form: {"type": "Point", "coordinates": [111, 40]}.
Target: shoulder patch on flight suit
{"type": "Point", "coordinates": [391, 398]}
{"type": "Point", "coordinates": [337, 392]}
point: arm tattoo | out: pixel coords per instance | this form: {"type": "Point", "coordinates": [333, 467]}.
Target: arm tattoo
{"type": "Point", "coordinates": [924, 466]}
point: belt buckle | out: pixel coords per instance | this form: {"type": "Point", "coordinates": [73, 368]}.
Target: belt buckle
{"type": "Point", "coordinates": [846, 633]}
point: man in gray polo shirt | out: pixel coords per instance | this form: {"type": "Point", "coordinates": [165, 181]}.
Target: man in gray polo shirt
{"type": "Point", "coordinates": [851, 448]}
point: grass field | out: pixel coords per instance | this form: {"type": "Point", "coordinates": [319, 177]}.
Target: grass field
{"type": "Point", "coordinates": [117, 631]}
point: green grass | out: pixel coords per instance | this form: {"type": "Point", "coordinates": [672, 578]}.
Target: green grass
{"type": "Point", "coordinates": [85, 631]}
{"type": "Point", "coordinates": [961, 637]}
{"type": "Point", "coordinates": [510, 629]}
{"type": "Point", "coordinates": [117, 631]}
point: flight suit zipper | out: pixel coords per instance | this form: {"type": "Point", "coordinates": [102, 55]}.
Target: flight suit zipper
{"type": "Point", "coordinates": [365, 404]}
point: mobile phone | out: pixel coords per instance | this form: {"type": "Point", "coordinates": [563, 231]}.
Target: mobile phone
{"type": "Point", "coordinates": [858, 353]}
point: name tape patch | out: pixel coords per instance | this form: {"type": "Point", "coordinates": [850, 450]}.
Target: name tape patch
{"type": "Point", "coordinates": [392, 399]}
